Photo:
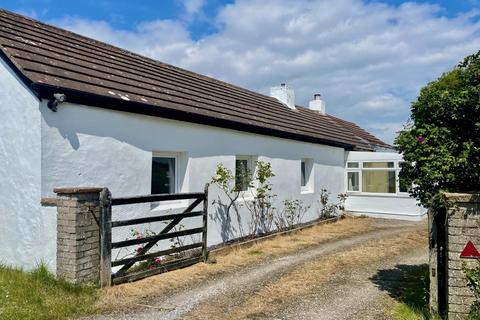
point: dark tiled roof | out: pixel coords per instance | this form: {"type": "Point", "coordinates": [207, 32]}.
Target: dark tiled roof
{"type": "Point", "coordinates": [90, 72]}
{"type": "Point", "coordinates": [373, 141]}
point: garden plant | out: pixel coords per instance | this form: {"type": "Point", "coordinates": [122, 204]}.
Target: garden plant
{"type": "Point", "coordinates": [441, 143]}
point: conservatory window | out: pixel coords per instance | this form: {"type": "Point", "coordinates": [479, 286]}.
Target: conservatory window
{"type": "Point", "coordinates": [352, 165]}
{"type": "Point", "coordinates": [374, 177]}
{"type": "Point", "coordinates": [378, 165]}
{"type": "Point", "coordinates": [353, 181]}
{"type": "Point", "coordinates": [378, 181]}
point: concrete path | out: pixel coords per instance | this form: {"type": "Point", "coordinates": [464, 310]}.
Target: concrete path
{"type": "Point", "coordinates": [352, 292]}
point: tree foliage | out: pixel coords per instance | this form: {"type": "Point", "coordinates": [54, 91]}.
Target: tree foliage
{"type": "Point", "coordinates": [441, 142]}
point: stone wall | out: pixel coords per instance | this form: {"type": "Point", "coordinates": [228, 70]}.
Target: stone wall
{"type": "Point", "coordinates": [78, 234]}
{"type": "Point", "coordinates": [463, 225]}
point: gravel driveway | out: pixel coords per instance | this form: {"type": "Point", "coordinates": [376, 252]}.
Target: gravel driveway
{"type": "Point", "coordinates": [341, 279]}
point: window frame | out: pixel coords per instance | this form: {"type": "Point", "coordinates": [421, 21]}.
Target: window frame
{"type": "Point", "coordinates": [353, 168]}
{"type": "Point", "coordinates": [309, 186]}
{"type": "Point", "coordinates": [171, 204]}
{"type": "Point", "coordinates": [396, 168]}
{"type": "Point", "coordinates": [170, 155]}
{"type": "Point", "coordinates": [250, 166]}
{"type": "Point", "coordinates": [359, 172]}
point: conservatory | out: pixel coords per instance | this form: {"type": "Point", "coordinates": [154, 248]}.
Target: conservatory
{"type": "Point", "coordinates": [374, 186]}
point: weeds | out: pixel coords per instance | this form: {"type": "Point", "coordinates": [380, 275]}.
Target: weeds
{"type": "Point", "coordinates": [39, 295]}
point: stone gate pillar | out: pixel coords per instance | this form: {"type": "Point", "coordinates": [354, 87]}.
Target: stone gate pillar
{"type": "Point", "coordinates": [78, 234]}
{"type": "Point", "coordinates": [463, 225]}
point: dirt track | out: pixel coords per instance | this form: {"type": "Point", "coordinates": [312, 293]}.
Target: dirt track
{"type": "Point", "coordinates": [340, 279]}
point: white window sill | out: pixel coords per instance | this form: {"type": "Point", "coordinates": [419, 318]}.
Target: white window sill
{"type": "Point", "coordinates": [306, 190]}
{"type": "Point", "coordinates": [170, 205]}
{"type": "Point", "coordinates": [373, 194]}
{"type": "Point", "coordinates": [247, 195]}
{"type": "Point", "coordinates": [245, 199]}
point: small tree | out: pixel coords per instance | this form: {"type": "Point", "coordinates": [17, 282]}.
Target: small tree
{"type": "Point", "coordinates": [225, 181]}
{"type": "Point", "coordinates": [260, 206]}
{"type": "Point", "coordinates": [441, 142]}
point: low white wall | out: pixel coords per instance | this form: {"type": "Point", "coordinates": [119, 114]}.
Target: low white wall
{"type": "Point", "coordinates": [86, 146]}
{"type": "Point", "coordinates": [391, 206]}
{"type": "Point", "coordinates": [24, 231]}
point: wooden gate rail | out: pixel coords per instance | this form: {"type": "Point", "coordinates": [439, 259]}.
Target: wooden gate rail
{"type": "Point", "coordinates": [127, 243]}
{"type": "Point", "coordinates": [157, 198]}
{"type": "Point", "coordinates": [156, 219]}
{"type": "Point", "coordinates": [142, 253]}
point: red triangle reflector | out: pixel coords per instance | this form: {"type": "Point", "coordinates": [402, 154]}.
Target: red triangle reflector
{"type": "Point", "coordinates": [470, 251]}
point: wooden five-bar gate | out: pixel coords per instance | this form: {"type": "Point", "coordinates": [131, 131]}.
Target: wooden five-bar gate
{"type": "Point", "coordinates": [126, 273]}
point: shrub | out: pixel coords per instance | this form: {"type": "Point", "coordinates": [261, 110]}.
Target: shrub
{"type": "Point", "coordinates": [291, 214]}
{"type": "Point", "coordinates": [473, 282]}
{"type": "Point", "coordinates": [441, 142]}
{"type": "Point", "coordinates": [327, 209]}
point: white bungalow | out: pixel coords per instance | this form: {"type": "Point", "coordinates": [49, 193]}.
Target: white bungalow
{"type": "Point", "coordinates": [77, 112]}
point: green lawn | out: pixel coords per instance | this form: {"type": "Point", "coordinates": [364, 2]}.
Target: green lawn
{"type": "Point", "coordinates": [413, 302]}
{"type": "Point", "coordinates": [38, 295]}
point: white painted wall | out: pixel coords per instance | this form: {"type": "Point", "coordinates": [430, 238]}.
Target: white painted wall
{"type": "Point", "coordinates": [26, 235]}
{"type": "Point", "coordinates": [396, 206]}
{"type": "Point", "coordinates": [86, 146]}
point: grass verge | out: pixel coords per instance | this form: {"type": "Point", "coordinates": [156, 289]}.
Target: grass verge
{"type": "Point", "coordinates": [413, 300]}
{"type": "Point", "coordinates": [38, 295]}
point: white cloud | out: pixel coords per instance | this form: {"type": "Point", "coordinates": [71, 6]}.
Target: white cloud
{"type": "Point", "coordinates": [386, 130]}
{"type": "Point", "coordinates": [367, 59]}
{"type": "Point", "coordinates": [192, 7]}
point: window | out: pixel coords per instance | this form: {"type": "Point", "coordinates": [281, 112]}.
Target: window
{"type": "Point", "coordinates": [378, 165]}
{"type": "Point", "coordinates": [306, 181]}
{"type": "Point", "coordinates": [352, 165]}
{"type": "Point", "coordinates": [243, 172]}
{"type": "Point", "coordinates": [304, 174]}
{"type": "Point", "coordinates": [378, 177]}
{"type": "Point", "coordinates": [164, 174]}
{"type": "Point", "coordinates": [353, 181]}
{"type": "Point", "coordinates": [378, 181]}
{"type": "Point", "coordinates": [374, 177]}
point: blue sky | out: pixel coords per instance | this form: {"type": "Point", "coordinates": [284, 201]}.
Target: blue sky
{"type": "Point", "coordinates": [122, 14]}
{"type": "Point", "coordinates": [368, 58]}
